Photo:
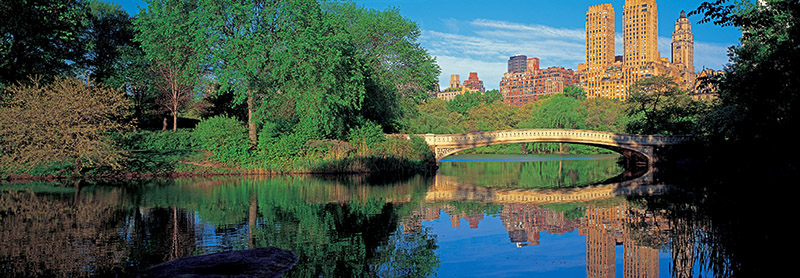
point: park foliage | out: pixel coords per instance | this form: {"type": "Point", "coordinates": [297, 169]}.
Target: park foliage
{"type": "Point", "coordinates": [313, 86]}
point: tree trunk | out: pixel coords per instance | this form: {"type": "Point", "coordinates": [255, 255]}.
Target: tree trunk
{"type": "Point", "coordinates": [77, 170]}
{"type": "Point", "coordinates": [252, 218]}
{"type": "Point", "coordinates": [251, 124]}
{"type": "Point", "coordinates": [175, 118]}
{"type": "Point", "coordinates": [77, 195]}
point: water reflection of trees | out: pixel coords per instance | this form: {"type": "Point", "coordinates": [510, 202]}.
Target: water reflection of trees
{"type": "Point", "coordinates": [335, 227]}
{"type": "Point", "coordinates": [725, 223]}
{"type": "Point", "coordinates": [532, 174]}
{"type": "Point", "coordinates": [61, 234]}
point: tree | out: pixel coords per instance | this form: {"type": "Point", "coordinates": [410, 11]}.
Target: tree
{"type": "Point", "coordinates": [432, 116]}
{"type": "Point", "coordinates": [758, 91]}
{"type": "Point", "coordinates": [171, 36]}
{"type": "Point", "coordinates": [108, 31]}
{"type": "Point", "coordinates": [605, 114]}
{"type": "Point", "coordinates": [318, 73]}
{"type": "Point", "coordinates": [242, 36]}
{"type": "Point", "coordinates": [133, 73]}
{"type": "Point", "coordinates": [463, 102]}
{"type": "Point", "coordinates": [575, 92]}
{"type": "Point", "coordinates": [40, 37]}
{"type": "Point", "coordinates": [66, 120]}
{"type": "Point", "coordinates": [558, 111]}
{"type": "Point", "coordinates": [492, 116]}
{"type": "Point", "coordinates": [657, 106]}
{"type": "Point", "coordinates": [399, 73]}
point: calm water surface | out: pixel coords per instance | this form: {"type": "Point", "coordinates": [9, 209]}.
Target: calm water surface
{"type": "Point", "coordinates": [480, 216]}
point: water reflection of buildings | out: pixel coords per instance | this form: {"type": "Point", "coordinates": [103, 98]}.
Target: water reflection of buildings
{"type": "Point", "coordinates": [605, 228]}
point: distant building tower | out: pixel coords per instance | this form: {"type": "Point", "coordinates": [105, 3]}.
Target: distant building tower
{"type": "Point", "coordinates": [599, 46]}
{"type": "Point", "coordinates": [639, 38]}
{"type": "Point", "coordinates": [455, 81]}
{"type": "Point", "coordinates": [473, 83]}
{"type": "Point", "coordinates": [599, 37]}
{"type": "Point", "coordinates": [683, 43]}
{"type": "Point", "coordinates": [518, 63]}
{"type": "Point", "coordinates": [533, 65]}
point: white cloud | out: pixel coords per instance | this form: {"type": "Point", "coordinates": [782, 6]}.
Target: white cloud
{"type": "Point", "coordinates": [537, 30]}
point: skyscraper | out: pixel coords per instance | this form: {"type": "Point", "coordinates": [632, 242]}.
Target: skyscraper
{"type": "Point", "coordinates": [639, 38]}
{"type": "Point", "coordinates": [599, 37]}
{"type": "Point", "coordinates": [599, 46]}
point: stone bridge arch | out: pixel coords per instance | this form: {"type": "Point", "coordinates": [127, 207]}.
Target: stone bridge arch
{"type": "Point", "coordinates": [645, 146]}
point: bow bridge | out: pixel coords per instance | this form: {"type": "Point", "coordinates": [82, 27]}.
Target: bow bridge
{"type": "Point", "coordinates": [645, 146]}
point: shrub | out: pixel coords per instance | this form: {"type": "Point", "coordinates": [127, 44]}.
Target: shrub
{"type": "Point", "coordinates": [223, 136]}
{"type": "Point", "coordinates": [369, 133]}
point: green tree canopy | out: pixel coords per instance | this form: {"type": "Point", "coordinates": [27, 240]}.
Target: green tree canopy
{"type": "Point", "coordinates": [398, 71]}
{"type": "Point", "coordinates": [109, 30]}
{"type": "Point", "coordinates": [492, 116]}
{"type": "Point", "coordinates": [657, 106]}
{"type": "Point", "coordinates": [463, 102]}
{"type": "Point", "coordinates": [575, 92]}
{"type": "Point", "coordinates": [40, 37]}
{"type": "Point", "coordinates": [172, 38]}
{"type": "Point", "coordinates": [605, 114]}
{"type": "Point", "coordinates": [432, 116]}
{"type": "Point", "coordinates": [758, 92]}
{"type": "Point", "coordinates": [558, 111]}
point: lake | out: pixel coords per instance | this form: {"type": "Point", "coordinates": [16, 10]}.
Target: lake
{"type": "Point", "coordinates": [479, 216]}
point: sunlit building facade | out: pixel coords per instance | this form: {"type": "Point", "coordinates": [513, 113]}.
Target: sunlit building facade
{"type": "Point", "coordinates": [519, 88]}
{"type": "Point", "coordinates": [608, 76]}
{"type": "Point", "coordinates": [474, 83]}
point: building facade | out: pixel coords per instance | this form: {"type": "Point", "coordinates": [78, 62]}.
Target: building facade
{"type": "Point", "coordinates": [518, 63]}
{"type": "Point", "coordinates": [474, 84]}
{"type": "Point", "coordinates": [520, 88]}
{"type": "Point", "coordinates": [455, 81]}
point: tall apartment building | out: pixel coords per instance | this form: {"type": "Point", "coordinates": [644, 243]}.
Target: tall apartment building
{"type": "Point", "coordinates": [639, 33]}
{"type": "Point", "coordinates": [599, 46]}
{"type": "Point", "coordinates": [683, 43]}
{"type": "Point", "coordinates": [599, 37]}
{"type": "Point", "coordinates": [606, 77]}
{"type": "Point", "coordinates": [518, 63]}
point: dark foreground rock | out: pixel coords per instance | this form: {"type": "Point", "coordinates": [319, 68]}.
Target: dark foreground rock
{"type": "Point", "coordinates": [259, 262]}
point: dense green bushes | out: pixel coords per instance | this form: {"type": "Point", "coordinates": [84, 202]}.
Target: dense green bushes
{"type": "Point", "coordinates": [225, 137]}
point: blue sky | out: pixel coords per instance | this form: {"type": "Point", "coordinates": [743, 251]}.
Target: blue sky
{"type": "Point", "coordinates": [479, 36]}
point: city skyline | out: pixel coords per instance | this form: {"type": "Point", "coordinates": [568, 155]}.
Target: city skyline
{"type": "Point", "coordinates": [471, 36]}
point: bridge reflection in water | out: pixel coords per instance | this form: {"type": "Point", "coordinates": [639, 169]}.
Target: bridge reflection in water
{"type": "Point", "coordinates": [601, 213]}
